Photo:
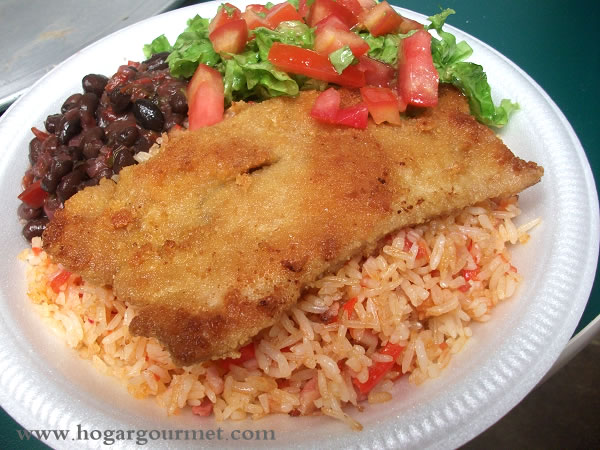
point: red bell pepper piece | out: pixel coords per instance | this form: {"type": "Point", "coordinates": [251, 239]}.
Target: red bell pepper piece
{"type": "Point", "coordinates": [378, 370]}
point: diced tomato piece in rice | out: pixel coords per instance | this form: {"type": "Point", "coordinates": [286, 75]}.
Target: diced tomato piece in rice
{"type": "Point", "coordinates": [378, 370]}
{"type": "Point", "coordinates": [60, 279]}
{"type": "Point", "coordinates": [204, 409]}
{"type": "Point", "coordinates": [247, 353]}
{"type": "Point", "coordinates": [349, 306]}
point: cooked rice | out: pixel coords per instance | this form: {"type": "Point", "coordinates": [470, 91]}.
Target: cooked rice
{"type": "Point", "coordinates": [413, 294]}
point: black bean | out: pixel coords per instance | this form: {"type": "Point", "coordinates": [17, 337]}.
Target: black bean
{"type": "Point", "coordinates": [119, 100]}
{"type": "Point", "coordinates": [127, 136]}
{"type": "Point", "coordinates": [174, 119]}
{"type": "Point", "coordinates": [35, 228]}
{"type": "Point", "coordinates": [70, 103]}
{"type": "Point", "coordinates": [87, 119]}
{"type": "Point", "coordinates": [158, 61]}
{"type": "Point", "coordinates": [122, 158]}
{"type": "Point", "coordinates": [89, 102]}
{"type": "Point", "coordinates": [51, 122]}
{"type": "Point", "coordinates": [51, 205]}
{"type": "Point", "coordinates": [26, 212]}
{"type": "Point", "coordinates": [91, 149]}
{"type": "Point", "coordinates": [50, 145]}
{"type": "Point", "coordinates": [93, 134]}
{"type": "Point", "coordinates": [61, 165]}
{"type": "Point", "coordinates": [42, 164]}
{"type": "Point", "coordinates": [75, 153]}
{"type": "Point", "coordinates": [141, 145]}
{"type": "Point", "coordinates": [113, 129]}
{"type": "Point", "coordinates": [94, 166]}
{"type": "Point", "coordinates": [104, 173]}
{"type": "Point", "coordinates": [69, 126]}
{"type": "Point", "coordinates": [68, 184]}
{"type": "Point", "coordinates": [178, 102]}
{"type": "Point", "coordinates": [94, 83]}
{"type": "Point", "coordinates": [35, 150]}
{"type": "Point", "coordinates": [148, 115]}
{"type": "Point", "coordinates": [49, 182]}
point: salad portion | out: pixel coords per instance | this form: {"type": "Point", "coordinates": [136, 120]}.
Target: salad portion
{"type": "Point", "coordinates": [263, 52]}
{"type": "Point", "coordinates": [279, 49]}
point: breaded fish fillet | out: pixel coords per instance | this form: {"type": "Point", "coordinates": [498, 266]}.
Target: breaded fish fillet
{"type": "Point", "coordinates": [218, 234]}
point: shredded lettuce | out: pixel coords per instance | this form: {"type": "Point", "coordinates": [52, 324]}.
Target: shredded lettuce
{"type": "Point", "coordinates": [448, 58]}
{"type": "Point", "coordinates": [384, 48]}
{"type": "Point", "coordinates": [341, 58]}
{"type": "Point", "coordinates": [245, 76]}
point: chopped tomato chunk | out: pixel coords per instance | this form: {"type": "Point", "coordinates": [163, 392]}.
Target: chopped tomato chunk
{"type": "Point", "coordinates": [382, 104]}
{"type": "Point", "coordinates": [418, 78]}
{"type": "Point", "coordinates": [282, 13]}
{"type": "Point", "coordinates": [332, 21]}
{"type": "Point", "coordinates": [262, 9]}
{"type": "Point", "coordinates": [310, 63]}
{"type": "Point", "coordinates": [206, 97]}
{"type": "Point", "coordinates": [303, 8]}
{"type": "Point", "coordinates": [349, 306]}
{"type": "Point", "coordinates": [60, 279]}
{"type": "Point", "coordinates": [356, 116]}
{"type": "Point", "coordinates": [255, 17]}
{"type": "Point", "coordinates": [470, 274]}
{"type": "Point", "coordinates": [381, 19]}
{"type": "Point", "coordinates": [378, 370]}
{"type": "Point", "coordinates": [367, 4]}
{"type": "Point", "coordinates": [226, 13]}
{"type": "Point", "coordinates": [320, 9]}
{"type": "Point", "coordinates": [330, 39]}
{"type": "Point", "coordinates": [230, 37]}
{"type": "Point", "coordinates": [247, 353]}
{"type": "Point", "coordinates": [327, 109]}
{"type": "Point", "coordinates": [353, 6]}
{"type": "Point", "coordinates": [204, 409]}
{"type": "Point", "coordinates": [376, 72]}
{"type": "Point", "coordinates": [408, 25]}
{"type": "Point", "coordinates": [34, 195]}
{"type": "Point", "coordinates": [327, 106]}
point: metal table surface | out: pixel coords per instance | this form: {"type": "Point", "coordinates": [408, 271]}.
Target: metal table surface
{"type": "Point", "coordinates": [555, 43]}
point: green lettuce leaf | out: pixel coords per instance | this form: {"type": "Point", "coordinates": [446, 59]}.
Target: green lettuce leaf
{"type": "Point", "coordinates": [309, 84]}
{"type": "Point", "coordinates": [446, 51]}
{"type": "Point", "coordinates": [472, 81]}
{"type": "Point", "coordinates": [246, 77]}
{"type": "Point", "coordinates": [448, 58]}
{"type": "Point", "coordinates": [292, 33]}
{"type": "Point", "coordinates": [191, 48]}
{"type": "Point", "coordinates": [341, 58]}
{"type": "Point", "coordinates": [384, 48]}
{"type": "Point", "coordinates": [158, 45]}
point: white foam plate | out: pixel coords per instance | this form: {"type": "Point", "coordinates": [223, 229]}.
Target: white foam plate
{"type": "Point", "coordinates": [44, 385]}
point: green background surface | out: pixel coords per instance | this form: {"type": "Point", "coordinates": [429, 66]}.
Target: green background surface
{"type": "Point", "coordinates": [554, 41]}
